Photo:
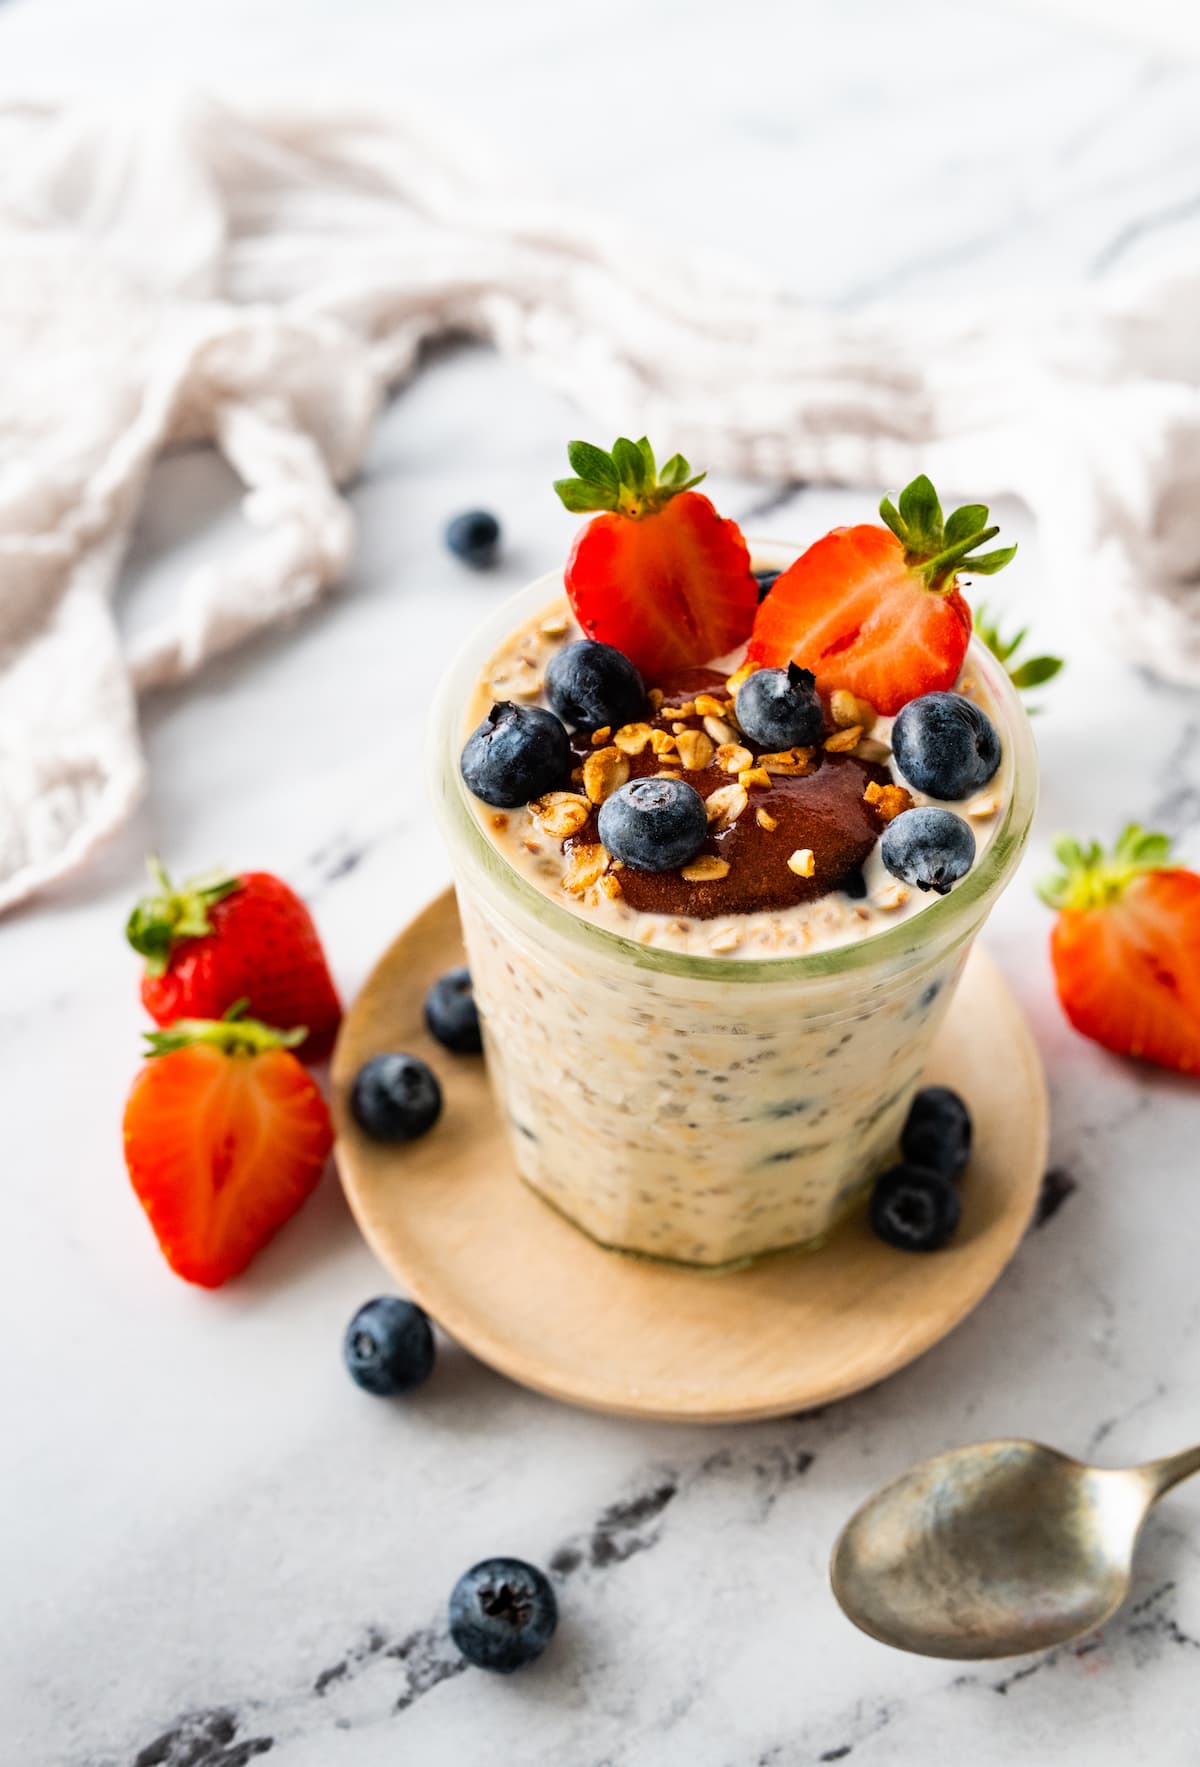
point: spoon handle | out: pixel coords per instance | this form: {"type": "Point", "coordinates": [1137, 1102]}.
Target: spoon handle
{"type": "Point", "coordinates": [1161, 1475]}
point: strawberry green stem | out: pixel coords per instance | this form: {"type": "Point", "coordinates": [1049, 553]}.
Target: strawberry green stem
{"type": "Point", "coordinates": [167, 915]}
{"type": "Point", "coordinates": [1090, 878]}
{"type": "Point", "coordinates": [626, 481]}
{"type": "Point", "coordinates": [938, 546]}
{"type": "Point", "coordinates": [234, 1034]}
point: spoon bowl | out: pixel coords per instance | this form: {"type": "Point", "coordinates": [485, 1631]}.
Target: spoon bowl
{"type": "Point", "coordinates": [996, 1549]}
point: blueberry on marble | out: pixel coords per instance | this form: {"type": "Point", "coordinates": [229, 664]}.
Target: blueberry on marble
{"type": "Point", "coordinates": [937, 1134]}
{"type": "Point", "coordinates": [388, 1347]}
{"type": "Point", "coordinates": [517, 753]}
{"type": "Point", "coordinates": [914, 1210]}
{"type": "Point", "coordinates": [590, 684]}
{"type": "Point", "coordinates": [451, 1014]}
{"type": "Point", "coordinates": [945, 745]}
{"type": "Point", "coordinates": [474, 536]}
{"type": "Point", "coordinates": [653, 824]}
{"type": "Point", "coordinates": [928, 847]}
{"type": "Point", "coordinates": [766, 581]}
{"type": "Point", "coordinates": [781, 708]}
{"type": "Point", "coordinates": [502, 1614]}
{"type": "Point", "coordinates": [395, 1098]}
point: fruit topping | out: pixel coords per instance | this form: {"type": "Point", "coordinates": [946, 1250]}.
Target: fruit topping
{"type": "Point", "coordinates": [503, 1614]}
{"type": "Point", "coordinates": [1126, 947]}
{"type": "Point", "coordinates": [395, 1098]}
{"type": "Point", "coordinates": [225, 1136]}
{"type": "Point", "coordinates": [654, 824]}
{"type": "Point", "coordinates": [914, 1210]}
{"type": "Point", "coordinates": [656, 572]}
{"type": "Point", "coordinates": [474, 537]}
{"type": "Point", "coordinates": [928, 847]}
{"type": "Point", "coordinates": [451, 1014]}
{"type": "Point", "coordinates": [388, 1347]}
{"type": "Point", "coordinates": [780, 708]}
{"type": "Point", "coordinates": [878, 611]}
{"type": "Point", "coordinates": [224, 938]}
{"type": "Point", "coordinates": [517, 753]}
{"type": "Point", "coordinates": [937, 1135]}
{"type": "Point", "coordinates": [945, 745]}
{"type": "Point", "coordinates": [590, 684]}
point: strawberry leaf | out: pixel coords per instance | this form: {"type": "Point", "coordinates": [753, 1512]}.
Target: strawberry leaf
{"type": "Point", "coordinates": [921, 514]}
{"type": "Point", "coordinates": [592, 464]}
{"type": "Point", "coordinates": [629, 463]}
{"type": "Point", "coordinates": [988, 563]}
{"type": "Point", "coordinates": [647, 454]}
{"type": "Point", "coordinates": [1035, 670]}
{"type": "Point", "coordinates": [167, 916]}
{"type": "Point", "coordinates": [580, 496]}
{"type": "Point", "coordinates": [967, 520]}
{"type": "Point", "coordinates": [1090, 880]}
{"type": "Point", "coordinates": [625, 480]}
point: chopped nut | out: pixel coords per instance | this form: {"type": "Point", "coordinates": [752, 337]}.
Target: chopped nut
{"type": "Point", "coordinates": [585, 865]}
{"type": "Point", "coordinates": [603, 773]}
{"type": "Point", "coordinates": [530, 845]}
{"type": "Point", "coordinates": [561, 813]}
{"type": "Point", "coordinates": [725, 805]}
{"type": "Point", "coordinates": [679, 724]}
{"type": "Point", "coordinates": [792, 763]}
{"type": "Point", "coordinates": [601, 736]}
{"type": "Point", "coordinates": [801, 862]}
{"type": "Point", "coordinates": [892, 896]}
{"type": "Point", "coordinates": [871, 749]}
{"type": "Point", "coordinates": [765, 820]}
{"type": "Point", "coordinates": [733, 758]}
{"type": "Point", "coordinates": [890, 800]}
{"type": "Point", "coordinates": [609, 886]}
{"type": "Point", "coordinates": [685, 709]}
{"type": "Point", "coordinates": [706, 869]}
{"type": "Point", "coordinates": [668, 773]}
{"type": "Point", "coordinates": [843, 740]}
{"type": "Point", "coordinates": [987, 805]}
{"type": "Point", "coordinates": [718, 729]}
{"type": "Point", "coordinates": [631, 739]}
{"type": "Point", "coordinates": [695, 749]}
{"type": "Point", "coordinates": [656, 697]}
{"type": "Point", "coordinates": [728, 939]}
{"type": "Point", "coordinates": [740, 677]}
{"type": "Point", "coordinates": [848, 709]}
{"type": "Point", "coordinates": [555, 626]}
{"type": "Point", "coordinates": [708, 706]}
{"type": "Point", "coordinates": [499, 821]}
{"type": "Point", "coordinates": [662, 742]}
{"type": "Point", "coordinates": [754, 776]}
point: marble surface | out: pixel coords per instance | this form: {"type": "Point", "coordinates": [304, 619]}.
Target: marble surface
{"type": "Point", "coordinates": [214, 1548]}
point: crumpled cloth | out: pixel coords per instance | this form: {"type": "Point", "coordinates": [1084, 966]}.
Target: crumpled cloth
{"type": "Point", "coordinates": [260, 280]}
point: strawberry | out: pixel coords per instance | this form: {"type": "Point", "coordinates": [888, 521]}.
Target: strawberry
{"type": "Point", "coordinates": [658, 573]}
{"type": "Point", "coordinates": [225, 1137]}
{"type": "Point", "coordinates": [224, 938]}
{"type": "Point", "coordinates": [880, 613]}
{"type": "Point", "coordinates": [1126, 948]}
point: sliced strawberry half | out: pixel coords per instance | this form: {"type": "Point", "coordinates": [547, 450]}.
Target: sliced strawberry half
{"type": "Point", "coordinates": [657, 573]}
{"type": "Point", "coordinates": [878, 611]}
{"type": "Point", "coordinates": [1126, 948]}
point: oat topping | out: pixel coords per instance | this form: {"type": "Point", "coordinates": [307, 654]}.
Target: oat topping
{"type": "Point", "coordinates": [586, 864]}
{"type": "Point", "coordinates": [790, 763]}
{"type": "Point", "coordinates": [765, 820]}
{"type": "Point", "coordinates": [561, 813]}
{"type": "Point", "coordinates": [499, 821]}
{"type": "Point", "coordinates": [663, 743]}
{"type": "Point", "coordinates": [708, 706]}
{"type": "Point", "coordinates": [842, 741]}
{"type": "Point", "coordinates": [890, 800]}
{"type": "Point", "coordinates": [695, 749]}
{"type": "Point", "coordinates": [603, 773]}
{"type": "Point", "coordinates": [870, 749]}
{"type": "Point", "coordinates": [609, 886]}
{"type": "Point", "coordinates": [891, 897]}
{"type": "Point", "coordinates": [728, 939]}
{"type": "Point", "coordinates": [801, 862]}
{"type": "Point", "coordinates": [719, 730]}
{"type": "Point", "coordinates": [754, 776]}
{"type": "Point", "coordinates": [984, 806]}
{"type": "Point", "coordinates": [555, 626]}
{"type": "Point", "coordinates": [706, 869]}
{"type": "Point", "coordinates": [740, 677]}
{"type": "Point", "coordinates": [733, 758]}
{"type": "Point", "coordinates": [725, 805]}
{"type": "Point", "coordinates": [846, 709]}
{"type": "Point", "coordinates": [601, 736]}
{"type": "Point", "coordinates": [631, 739]}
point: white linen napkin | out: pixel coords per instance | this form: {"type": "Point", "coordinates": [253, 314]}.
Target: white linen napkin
{"type": "Point", "coordinates": [260, 280]}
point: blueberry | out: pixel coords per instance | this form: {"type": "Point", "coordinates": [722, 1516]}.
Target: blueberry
{"type": "Point", "coordinates": [502, 1614]}
{"type": "Point", "coordinates": [395, 1098]}
{"type": "Point", "coordinates": [937, 1134]}
{"type": "Point", "coordinates": [388, 1347]}
{"type": "Point", "coordinates": [653, 824]}
{"type": "Point", "coordinates": [591, 684]}
{"type": "Point", "coordinates": [945, 745]}
{"type": "Point", "coordinates": [928, 847]}
{"type": "Point", "coordinates": [451, 1014]}
{"type": "Point", "coordinates": [474, 537]}
{"type": "Point", "coordinates": [517, 753]}
{"type": "Point", "coordinates": [781, 708]}
{"type": "Point", "coordinates": [766, 581]}
{"type": "Point", "coordinates": [914, 1210]}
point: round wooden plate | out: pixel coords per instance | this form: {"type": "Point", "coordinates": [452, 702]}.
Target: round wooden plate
{"type": "Point", "coordinates": [525, 1291]}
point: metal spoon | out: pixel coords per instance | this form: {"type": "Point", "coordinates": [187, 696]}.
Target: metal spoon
{"type": "Point", "coordinates": [997, 1549]}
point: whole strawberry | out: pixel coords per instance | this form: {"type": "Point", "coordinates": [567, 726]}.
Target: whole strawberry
{"type": "Point", "coordinates": [1126, 947]}
{"type": "Point", "coordinates": [226, 1136]}
{"type": "Point", "coordinates": [223, 938]}
{"type": "Point", "coordinates": [656, 573]}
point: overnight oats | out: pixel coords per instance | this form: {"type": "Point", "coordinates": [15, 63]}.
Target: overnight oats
{"type": "Point", "coordinates": [725, 819]}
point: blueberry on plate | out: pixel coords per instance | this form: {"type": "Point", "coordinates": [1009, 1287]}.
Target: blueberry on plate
{"type": "Point", "coordinates": [945, 745]}
{"type": "Point", "coordinates": [590, 684]}
{"type": "Point", "coordinates": [502, 1614]}
{"type": "Point", "coordinates": [388, 1347]}
{"type": "Point", "coordinates": [928, 847]}
{"type": "Point", "coordinates": [517, 753]}
{"type": "Point", "coordinates": [937, 1134]}
{"type": "Point", "coordinates": [395, 1098]}
{"type": "Point", "coordinates": [451, 1014]}
{"type": "Point", "coordinates": [766, 581]}
{"type": "Point", "coordinates": [914, 1210]}
{"type": "Point", "coordinates": [781, 708]}
{"type": "Point", "coordinates": [474, 536]}
{"type": "Point", "coordinates": [653, 824]}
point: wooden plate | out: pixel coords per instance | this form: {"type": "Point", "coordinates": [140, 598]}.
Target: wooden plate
{"type": "Point", "coordinates": [525, 1291]}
